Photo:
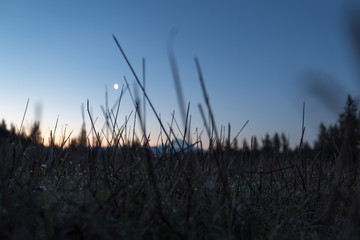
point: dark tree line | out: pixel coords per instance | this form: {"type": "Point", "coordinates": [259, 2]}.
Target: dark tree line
{"type": "Point", "coordinates": [331, 138]}
{"type": "Point", "coordinates": [328, 143]}
{"type": "Point", "coordinates": [12, 133]}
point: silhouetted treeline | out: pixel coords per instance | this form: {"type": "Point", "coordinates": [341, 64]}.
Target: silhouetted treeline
{"type": "Point", "coordinates": [331, 138]}
{"type": "Point", "coordinates": [15, 135]}
{"type": "Point", "coordinates": [326, 147]}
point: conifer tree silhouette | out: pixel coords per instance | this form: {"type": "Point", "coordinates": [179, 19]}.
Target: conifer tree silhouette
{"type": "Point", "coordinates": [82, 137]}
{"type": "Point", "coordinates": [245, 146]}
{"type": "Point", "coordinates": [4, 133]}
{"type": "Point", "coordinates": [284, 143]}
{"type": "Point", "coordinates": [276, 143]}
{"type": "Point", "coordinates": [267, 144]}
{"type": "Point", "coordinates": [254, 144]}
{"type": "Point", "coordinates": [235, 144]}
{"type": "Point", "coordinates": [349, 116]}
{"type": "Point", "coordinates": [35, 133]}
{"type": "Point", "coordinates": [349, 119]}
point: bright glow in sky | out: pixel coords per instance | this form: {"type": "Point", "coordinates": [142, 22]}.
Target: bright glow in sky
{"type": "Point", "coordinates": [254, 58]}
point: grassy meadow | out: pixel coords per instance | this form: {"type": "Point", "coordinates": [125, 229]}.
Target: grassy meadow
{"type": "Point", "coordinates": [115, 186]}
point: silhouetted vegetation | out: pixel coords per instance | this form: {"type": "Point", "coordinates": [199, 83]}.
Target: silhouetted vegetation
{"type": "Point", "coordinates": [109, 185]}
{"type": "Point", "coordinates": [271, 191]}
{"type": "Point", "coordinates": [128, 189]}
{"type": "Point", "coordinates": [330, 138]}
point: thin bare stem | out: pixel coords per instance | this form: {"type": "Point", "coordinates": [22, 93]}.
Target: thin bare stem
{"type": "Point", "coordinates": [142, 88]}
{"type": "Point", "coordinates": [239, 132]}
{"type": "Point", "coordinates": [144, 99]}
{"type": "Point", "coordinates": [206, 97]}
{"type": "Point", "coordinates": [92, 123]}
{"type": "Point", "coordinates": [22, 121]}
{"type": "Point", "coordinates": [176, 75]}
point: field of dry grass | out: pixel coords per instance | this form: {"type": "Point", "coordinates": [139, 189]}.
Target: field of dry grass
{"type": "Point", "coordinates": [127, 191]}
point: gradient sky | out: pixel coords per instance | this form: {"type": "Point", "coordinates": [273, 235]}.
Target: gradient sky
{"type": "Point", "coordinates": [255, 58]}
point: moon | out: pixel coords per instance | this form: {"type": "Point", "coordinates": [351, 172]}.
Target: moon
{"type": "Point", "coordinates": [116, 86]}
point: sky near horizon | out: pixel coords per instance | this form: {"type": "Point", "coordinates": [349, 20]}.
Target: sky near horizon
{"type": "Point", "coordinates": [256, 59]}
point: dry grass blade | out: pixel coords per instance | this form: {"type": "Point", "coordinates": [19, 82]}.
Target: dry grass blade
{"type": "Point", "coordinates": [242, 128]}
{"type": "Point", "coordinates": [57, 121]}
{"type": "Point", "coordinates": [302, 127]}
{"type": "Point", "coordinates": [115, 116]}
{"type": "Point", "coordinates": [22, 121]}
{"type": "Point", "coordinates": [204, 120]}
{"type": "Point", "coordinates": [176, 76]}
{"type": "Point", "coordinates": [142, 88]}
{"type": "Point", "coordinates": [173, 119]}
{"type": "Point", "coordinates": [186, 128]}
{"type": "Point", "coordinates": [206, 97]}
{"type": "Point", "coordinates": [93, 125]}
{"type": "Point", "coordinates": [144, 99]}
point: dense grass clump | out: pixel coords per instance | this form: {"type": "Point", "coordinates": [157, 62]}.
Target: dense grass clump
{"type": "Point", "coordinates": [128, 192]}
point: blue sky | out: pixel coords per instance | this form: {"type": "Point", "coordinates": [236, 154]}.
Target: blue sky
{"type": "Point", "coordinates": [255, 58]}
